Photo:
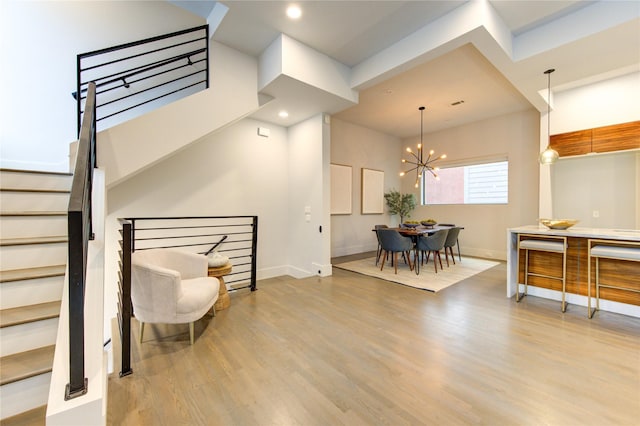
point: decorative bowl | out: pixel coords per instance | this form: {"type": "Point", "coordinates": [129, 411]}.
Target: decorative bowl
{"type": "Point", "coordinates": [410, 225]}
{"type": "Point", "coordinates": [428, 223]}
{"type": "Point", "coordinates": [558, 223]}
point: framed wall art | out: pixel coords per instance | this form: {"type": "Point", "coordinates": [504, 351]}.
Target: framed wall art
{"type": "Point", "coordinates": [372, 191]}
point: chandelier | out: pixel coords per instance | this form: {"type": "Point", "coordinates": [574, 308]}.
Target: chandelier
{"type": "Point", "coordinates": [418, 160]}
{"type": "Point", "coordinates": [549, 155]}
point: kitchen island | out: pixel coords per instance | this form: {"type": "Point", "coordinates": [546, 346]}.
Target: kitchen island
{"type": "Point", "coordinates": [626, 273]}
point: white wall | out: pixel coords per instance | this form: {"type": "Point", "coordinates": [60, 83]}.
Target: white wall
{"type": "Point", "coordinates": [358, 147]}
{"type": "Point", "coordinates": [308, 165]}
{"type": "Point", "coordinates": [607, 102]}
{"type": "Point", "coordinates": [231, 172]}
{"type": "Point", "coordinates": [606, 184]}
{"type": "Point", "coordinates": [39, 43]}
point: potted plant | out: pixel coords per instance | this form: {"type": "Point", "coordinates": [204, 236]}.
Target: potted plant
{"type": "Point", "coordinates": [400, 204]}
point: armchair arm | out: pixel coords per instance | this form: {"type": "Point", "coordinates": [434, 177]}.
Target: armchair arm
{"type": "Point", "coordinates": [154, 291]}
{"type": "Point", "coordinates": [188, 264]}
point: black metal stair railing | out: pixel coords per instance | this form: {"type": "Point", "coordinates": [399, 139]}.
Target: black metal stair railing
{"type": "Point", "coordinates": [234, 236]}
{"type": "Point", "coordinates": [80, 231]}
{"type": "Point", "coordinates": [136, 77]}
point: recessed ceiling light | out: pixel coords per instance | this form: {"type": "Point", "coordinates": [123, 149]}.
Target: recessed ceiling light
{"type": "Point", "coordinates": [283, 114]}
{"type": "Point", "coordinates": [294, 12]}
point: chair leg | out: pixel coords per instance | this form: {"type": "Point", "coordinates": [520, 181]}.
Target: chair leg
{"type": "Point", "coordinates": [141, 330]}
{"type": "Point", "coordinates": [439, 258]}
{"type": "Point", "coordinates": [408, 256]}
{"type": "Point", "coordinates": [446, 256]}
{"type": "Point", "coordinates": [459, 256]}
{"type": "Point", "coordinates": [395, 261]}
{"type": "Point", "coordinates": [453, 256]}
{"type": "Point", "coordinates": [384, 259]}
{"type": "Point", "coordinates": [191, 332]}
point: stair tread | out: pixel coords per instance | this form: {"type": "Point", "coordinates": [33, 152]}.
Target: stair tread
{"type": "Point", "coordinates": [34, 417]}
{"type": "Point", "coordinates": [33, 240]}
{"type": "Point", "coordinates": [32, 273]}
{"type": "Point", "coordinates": [37, 190]}
{"type": "Point", "coordinates": [30, 313]}
{"type": "Point", "coordinates": [27, 364]}
{"type": "Point", "coordinates": [34, 213]}
{"type": "Point", "coordinates": [39, 172]}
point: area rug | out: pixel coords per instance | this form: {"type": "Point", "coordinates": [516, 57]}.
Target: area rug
{"type": "Point", "coordinates": [427, 279]}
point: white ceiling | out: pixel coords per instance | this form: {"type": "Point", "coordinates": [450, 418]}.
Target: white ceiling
{"type": "Point", "coordinates": [352, 31]}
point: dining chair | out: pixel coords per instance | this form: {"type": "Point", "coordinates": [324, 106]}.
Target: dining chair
{"type": "Point", "coordinates": [392, 242]}
{"type": "Point", "coordinates": [379, 251]}
{"type": "Point", "coordinates": [452, 240]}
{"type": "Point", "coordinates": [451, 225]}
{"type": "Point", "coordinates": [433, 244]}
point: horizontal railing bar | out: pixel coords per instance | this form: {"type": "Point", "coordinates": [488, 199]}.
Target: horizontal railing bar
{"type": "Point", "coordinates": [150, 100]}
{"type": "Point", "coordinates": [195, 226]}
{"type": "Point", "coordinates": [171, 237]}
{"type": "Point", "coordinates": [139, 219]}
{"type": "Point", "coordinates": [149, 76]}
{"type": "Point", "coordinates": [140, 42]}
{"type": "Point", "coordinates": [144, 68]}
{"type": "Point", "coordinates": [139, 70]}
{"type": "Point", "coordinates": [150, 88]}
{"type": "Point", "coordinates": [126, 58]}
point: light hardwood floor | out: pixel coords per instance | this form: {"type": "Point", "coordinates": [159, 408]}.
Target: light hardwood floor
{"type": "Point", "coordinates": [353, 350]}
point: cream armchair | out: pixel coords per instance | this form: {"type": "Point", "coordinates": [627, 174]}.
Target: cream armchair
{"type": "Point", "coordinates": [172, 287]}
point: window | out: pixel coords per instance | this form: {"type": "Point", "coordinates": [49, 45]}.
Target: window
{"type": "Point", "coordinates": [485, 183]}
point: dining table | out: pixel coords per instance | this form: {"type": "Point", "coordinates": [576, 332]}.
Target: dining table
{"type": "Point", "coordinates": [415, 232]}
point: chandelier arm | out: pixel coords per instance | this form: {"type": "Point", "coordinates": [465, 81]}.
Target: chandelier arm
{"type": "Point", "coordinates": [410, 170]}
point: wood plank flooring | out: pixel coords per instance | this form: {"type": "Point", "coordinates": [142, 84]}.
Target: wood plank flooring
{"type": "Point", "coordinates": [353, 350]}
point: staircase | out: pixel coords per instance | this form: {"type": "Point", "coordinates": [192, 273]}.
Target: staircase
{"type": "Point", "coordinates": [33, 254]}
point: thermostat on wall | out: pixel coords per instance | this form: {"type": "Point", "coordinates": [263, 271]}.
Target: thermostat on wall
{"type": "Point", "coordinates": [263, 131]}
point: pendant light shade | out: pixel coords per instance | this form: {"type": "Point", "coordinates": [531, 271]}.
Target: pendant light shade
{"type": "Point", "coordinates": [549, 155]}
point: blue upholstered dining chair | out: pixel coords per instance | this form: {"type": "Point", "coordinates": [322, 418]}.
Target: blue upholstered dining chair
{"type": "Point", "coordinates": [452, 240]}
{"type": "Point", "coordinates": [433, 244]}
{"type": "Point", "coordinates": [379, 252]}
{"type": "Point", "coordinates": [392, 242]}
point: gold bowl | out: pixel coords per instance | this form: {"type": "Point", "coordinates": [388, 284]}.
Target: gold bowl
{"type": "Point", "coordinates": [558, 223]}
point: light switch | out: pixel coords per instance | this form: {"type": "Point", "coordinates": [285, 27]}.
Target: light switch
{"type": "Point", "coordinates": [307, 209]}
{"type": "Point", "coordinates": [307, 217]}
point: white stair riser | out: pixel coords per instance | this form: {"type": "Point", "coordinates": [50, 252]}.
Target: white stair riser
{"type": "Point", "coordinates": [29, 201]}
{"type": "Point", "coordinates": [24, 395]}
{"type": "Point", "coordinates": [25, 337]}
{"type": "Point", "coordinates": [33, 226]}
{"type": "Point", "coordinates": [30, 292]}
{"type": "Point", "coordinates": [32, 256]}
{"type": "Point", "coordinates": [34, 181]}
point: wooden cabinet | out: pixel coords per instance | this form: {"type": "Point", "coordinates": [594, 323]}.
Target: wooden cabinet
{"type": "Point", "coordinates": [572, 143]}
{"type": "Point", "coordinates": [617, 137]}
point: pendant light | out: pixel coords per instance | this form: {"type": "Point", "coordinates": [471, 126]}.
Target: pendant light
{"type": "Point", "coordinates": [549, 155]}
{"type": "Point", "coordinates": [421, 163]}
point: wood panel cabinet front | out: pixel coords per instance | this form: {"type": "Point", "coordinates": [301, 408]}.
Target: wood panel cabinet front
{"type": "Point", "coordinates": [616, 138]}
{"type": "Point", "coordinates": [572, 143]}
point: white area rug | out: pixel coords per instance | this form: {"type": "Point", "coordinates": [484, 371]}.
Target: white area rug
{"type": "Point", "coordinates": [427, 279]}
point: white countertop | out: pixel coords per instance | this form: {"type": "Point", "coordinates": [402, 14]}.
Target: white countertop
{"type": "Point", "coordinates": [576, 231]}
